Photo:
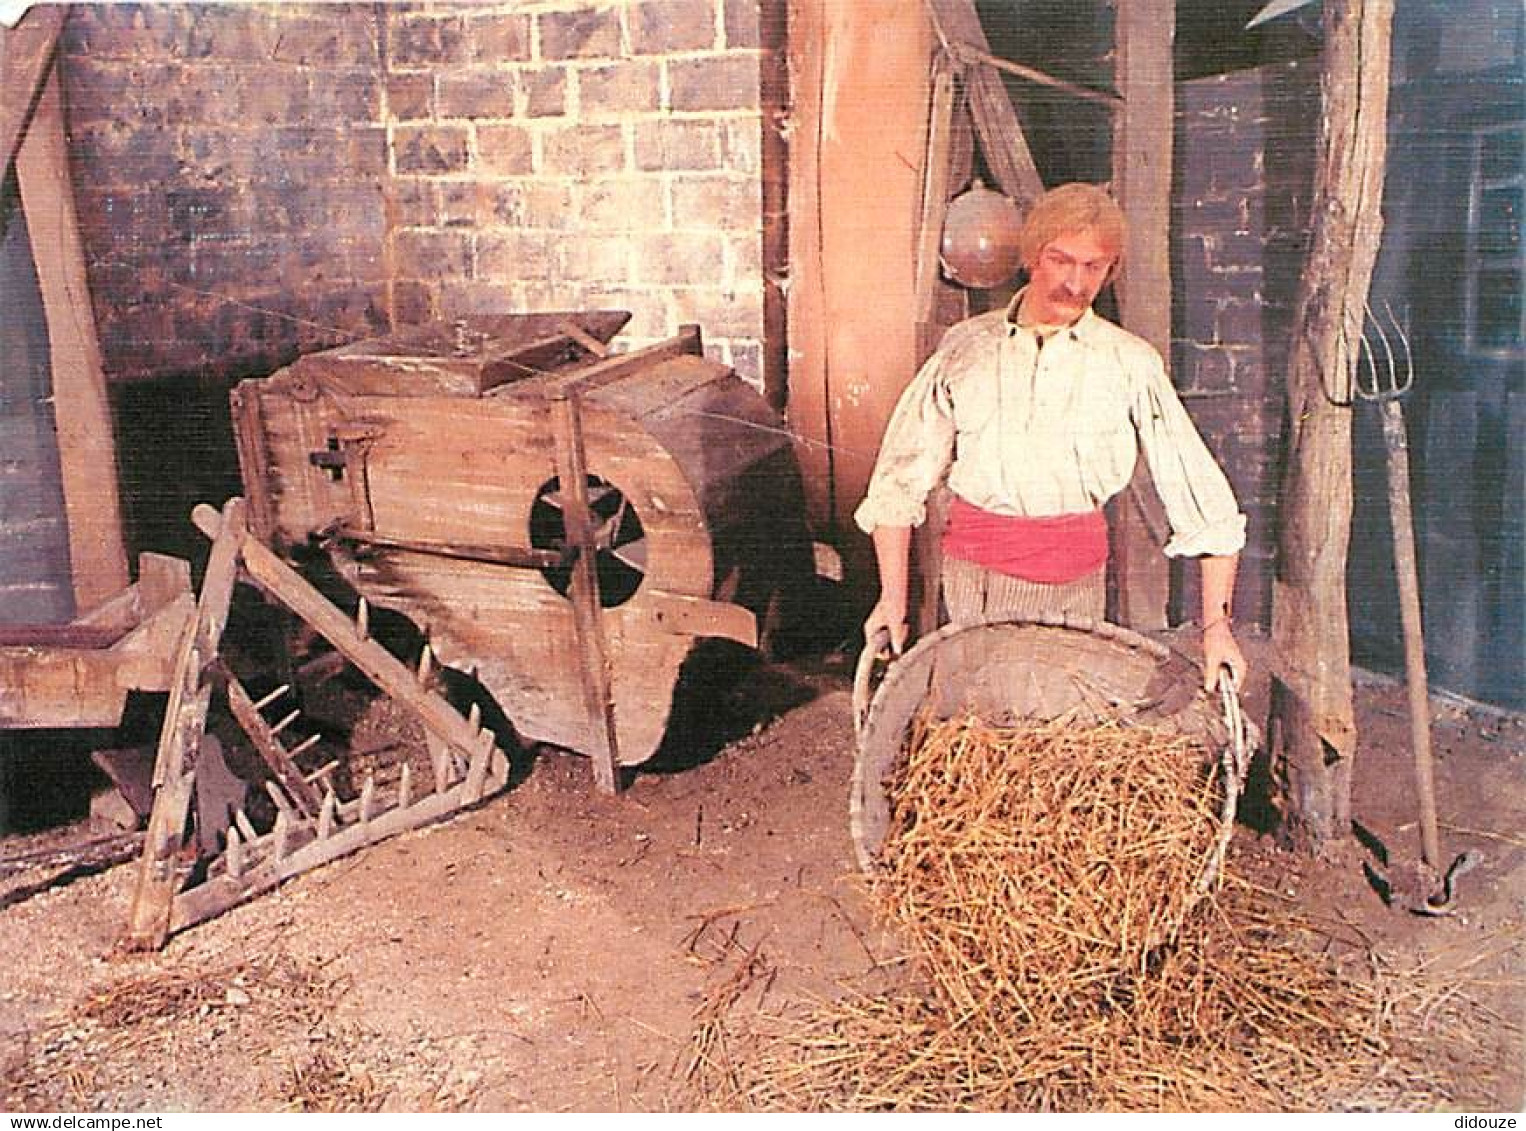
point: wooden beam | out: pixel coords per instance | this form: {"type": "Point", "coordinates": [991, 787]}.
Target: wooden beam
{"type": "Point", "coordinates": [936, 174]}
{"type": "Point", "coordinates": [861, 87]}
{"type": "Point", "coordinates": [1142, 148]}
{"type": "Point", "coordinates": [269, 746]}
{"type": "Point", "coordinates": [968, 54]}
{"type": "Point", "coordinates": [1001, 134]}
{"type": "Point", "coordinates": [26, 59]}
{"type": "Point", "coordinates": [1312, 701]}
{"type": "Point", "coordinates": [572, 472]}
{"type": "Point", "coordinates": [82, 415]}
{"type": "Point", "coordinates": [160, 872]}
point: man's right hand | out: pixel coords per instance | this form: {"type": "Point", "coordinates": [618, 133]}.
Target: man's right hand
{"type": "Point", "coordinates": [891, 617]}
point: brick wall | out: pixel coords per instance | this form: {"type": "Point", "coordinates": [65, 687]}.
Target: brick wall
{"type": "Point", "coordinates": [571, 154]}
{"type": "Point", "coordinates": [229, 164]}
{"type": "Point", "coordinates": [1244, 166]}
{"type": "Point", "coordinates": [259, 181]}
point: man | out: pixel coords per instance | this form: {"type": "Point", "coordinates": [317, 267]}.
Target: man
{"type": "Point", "coordinates": [1035, 415]}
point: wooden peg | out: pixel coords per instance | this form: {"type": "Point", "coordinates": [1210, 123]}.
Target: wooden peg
{"type": "Point", "coordinates": [280, 835]}
{"type": "Point", "coordinates": [272, 697]}
{"type": "Point", "coordinates": [304, 746]}
{"type": "Point", "coordinates": [241, 819]}
{"type": "Point", "coordinates": [363, 619]}
{"type": "Point", "coordinates": [286, 722]}
{"type": "Point", "coordinates": [328, 815]}
{"type": "Point", "coordinates": [367, 799]}
{"type": "Point", "coordinates": [405, 787]}
{"type": "Point", "coordinates": [426, 664]}
{"type": "Point", "coordinates": [233, 854]}
{"type": "Point", "coordinates": [278, 795]}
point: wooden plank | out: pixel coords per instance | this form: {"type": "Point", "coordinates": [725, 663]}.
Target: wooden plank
{"type": "Point", "coordinates": [375, 662]}
{"type": "Point", "coordinates": [1142, 148]}
{"type": "Point", "coordinates": [269, 747]}
{"type": "Point", "coordinates": [161, 579]}
{"type": "Point", "coordinates": [663, 390]}
{"type": "Point", "coordinates": [26, 58]}
{"type": "Point", "coordinates": [469, 356]}
{"type": "Point", "coordinates": [519, 557]}
{"type": "Point", "coordinates": [185, 720]}
{"type": "Point", "coordinates": [936, 174]}
{"type": "Point", "coordinates": [249, 436]}
{"type": "Point", "coordinates": [41, 688]}
{"type": "Point", "coordinates": [78, 636]}
{"type": "Point", "coordinates": [1001, 134]}
{"type": "Point", "coordinates": [304, 851]}
{"type": "Point", "coordinates": [696, 616]}
{"type": "Point", "coordinates": [572, 471]}
{"type": "Point", "coordinates": [87, 457]}
{"type": "Point", "coordinates": [586, 380]}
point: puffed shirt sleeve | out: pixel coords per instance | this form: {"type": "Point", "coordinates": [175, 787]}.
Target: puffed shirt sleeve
{"type": "Point", "coordinates": [915, 452]}
{"type": "Point", "coordinates": [1200, 504]}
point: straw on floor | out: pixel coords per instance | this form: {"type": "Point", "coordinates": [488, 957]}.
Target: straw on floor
{"type": "Point", "coordinates": [1046, 880]}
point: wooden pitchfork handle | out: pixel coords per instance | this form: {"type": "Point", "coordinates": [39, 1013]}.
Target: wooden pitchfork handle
{"type": "Point", "coordinates": [1401, 519]}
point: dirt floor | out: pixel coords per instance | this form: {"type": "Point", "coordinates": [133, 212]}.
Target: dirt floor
{"type": "Point", "coordinates": [554, 949]}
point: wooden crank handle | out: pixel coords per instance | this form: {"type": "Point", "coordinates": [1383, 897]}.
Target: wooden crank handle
{"type": "Point", "coordinates": [863, 676]}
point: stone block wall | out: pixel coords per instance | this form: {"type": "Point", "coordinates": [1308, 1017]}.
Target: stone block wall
{"type": "Point", "coordinates": [569, 154]}
{"type": "Point", "coordinates": [259, 181]}
{"type": "Point", "coordinates": [1244, 169]}
{"type": "Point", "coordinates": [229, 164]}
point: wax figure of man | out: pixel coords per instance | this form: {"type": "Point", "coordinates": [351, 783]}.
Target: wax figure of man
{"type": "Point", "coordinates": [1035, 415]}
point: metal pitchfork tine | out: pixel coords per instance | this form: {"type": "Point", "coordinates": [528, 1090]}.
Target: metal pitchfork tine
{"type": "Point", "coordinates": [1384, 373]}
{"type": "Point", "coordinates": [1394, 377]}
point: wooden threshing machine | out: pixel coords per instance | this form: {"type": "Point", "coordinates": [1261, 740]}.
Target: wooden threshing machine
{"type": "Point", "coordinates": [561, 522]}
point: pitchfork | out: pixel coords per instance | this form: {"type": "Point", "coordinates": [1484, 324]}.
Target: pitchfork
{"type": "Point", "coordinates": [1385, 371]}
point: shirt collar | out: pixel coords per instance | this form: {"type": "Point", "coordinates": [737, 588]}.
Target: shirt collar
{"type": "Point", "coordinates": [1080, 330]}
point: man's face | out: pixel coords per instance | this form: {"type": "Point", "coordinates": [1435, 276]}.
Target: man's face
{"type": "Point", "coordinates": [1069, 273]}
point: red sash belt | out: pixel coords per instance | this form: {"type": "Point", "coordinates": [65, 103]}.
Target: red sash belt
{"type": "Point", "coordinates": [1053, 550]}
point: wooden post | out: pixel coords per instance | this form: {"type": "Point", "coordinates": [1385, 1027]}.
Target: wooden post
{"type": "Point", "coordinates": [860, 80]}
{"type": "Point", "coordinates": [1001, 134]}
{"type": "Point", "coordinates": [1314, 722]}
{"type": "Point", "coordinates": [185, 720]}
{"type": "Point", "coordinates": [572, 472]}
{"type": "Point", "coordinates": [1142, 146]}
{"type": "Point", "coordinates": [87, 458]}
{"type": "Point", "coordinates": [26, 60]}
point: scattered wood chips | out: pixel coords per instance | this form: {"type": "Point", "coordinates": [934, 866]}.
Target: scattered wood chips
{"type": "Point", "coordinates": [1067, 955]}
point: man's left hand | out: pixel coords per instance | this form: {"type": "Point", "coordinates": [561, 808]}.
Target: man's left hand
{"type": "Point", "coordinates": [1220, 650]}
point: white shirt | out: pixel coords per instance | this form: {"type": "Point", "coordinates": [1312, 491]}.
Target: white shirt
{"type": "Point", "coordinates": [1031, 426]}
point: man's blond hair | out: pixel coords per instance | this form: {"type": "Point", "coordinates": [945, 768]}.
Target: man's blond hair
{"type": "Point", "coordinates": [1069, 210]}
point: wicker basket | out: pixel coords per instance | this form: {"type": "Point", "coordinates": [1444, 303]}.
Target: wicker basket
{"type": "Point", "coordinates": [1039, 670]}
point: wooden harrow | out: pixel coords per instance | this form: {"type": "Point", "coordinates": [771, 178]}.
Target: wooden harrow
{"type": "Point", "coordinates": [175, 886]}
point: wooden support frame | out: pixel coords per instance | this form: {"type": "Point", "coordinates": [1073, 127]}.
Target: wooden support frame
{"type": "Point", "coordinates": [25, 62]}
{"type": "Point", "coordinates": [32, 132]}
{"type": "Point", "coordinates": [572, 473]}
{"type": "Point", "coordinates": [79, 674]}
{"type": "Point", "coordinates": [1143, 140]}
{"type": "Point", "coordinates": [957, 23]}
{"type": "Point", "coordinates": [161, 869]}
{"type": "Point", "coordinates": [312, 826]}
